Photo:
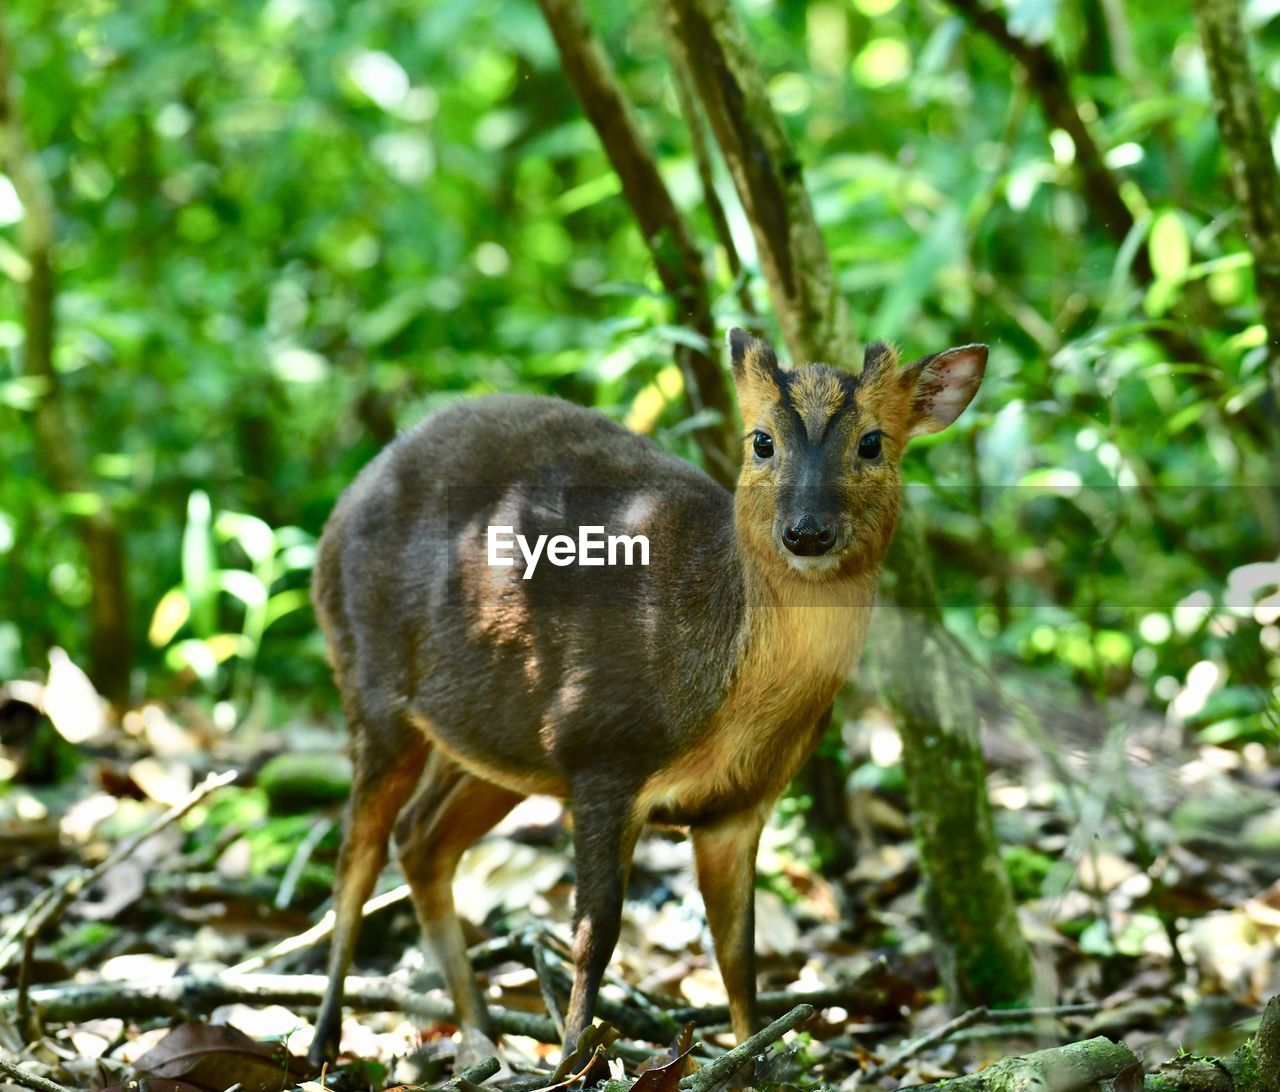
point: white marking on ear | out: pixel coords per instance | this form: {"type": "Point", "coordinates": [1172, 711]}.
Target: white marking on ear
{"type": "Point", "coordinates": [945, 384]}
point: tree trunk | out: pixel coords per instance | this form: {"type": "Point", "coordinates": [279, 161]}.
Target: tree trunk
{"type": "Point", "coordinates": [110, 644]}
{"type": "Point", "coordinates": [1246, 141]}
{"type": "Point", "coordinates": [980, 949]}
{"type": "Point", "coordinates": [675, 254]}
{"type": "Point", "coordinates": [923, 674]}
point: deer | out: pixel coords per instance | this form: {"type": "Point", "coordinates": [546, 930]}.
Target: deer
{"type": "Point", "coordinates": [685, 692]}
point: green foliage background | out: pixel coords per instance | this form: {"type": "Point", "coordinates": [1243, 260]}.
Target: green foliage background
{"type": "Point", "coordinates": [286, 230]}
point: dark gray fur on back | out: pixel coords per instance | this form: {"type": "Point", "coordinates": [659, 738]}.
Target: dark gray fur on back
{"type": "Point", "coordinates": [557, 675]}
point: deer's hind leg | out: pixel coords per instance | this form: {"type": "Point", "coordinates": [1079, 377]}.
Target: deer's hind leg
{"type": "Point", "coordinates": [387, 762]}
{"type": "Point", "coordinates": [452, 810]}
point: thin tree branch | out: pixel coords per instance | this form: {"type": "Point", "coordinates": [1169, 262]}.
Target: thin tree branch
{"type": "Point", "coordinates": [769, 179]}
{"type": "Point", "coordinates": [28, 1079]}
{"type": "Point", "coordinates": [728, 1064]}
{"type": "Point", "coordinates": [1049, 83]}
{"type": "Point", "coordinates": [676, 256]}
{"type": "Point", "coordinates": [186, 994]}
{"type": "Point", "coordinates": [476, 1074]}
{"type": "Point", "coordinates": [933, 1038]}
{"type": "Point", "coordinates": [693, 120]}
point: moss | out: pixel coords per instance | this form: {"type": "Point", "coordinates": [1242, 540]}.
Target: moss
{"type": "Point", "coordinates": [301, 782]}
{"type": "Point", "coordinates": [982, 956]}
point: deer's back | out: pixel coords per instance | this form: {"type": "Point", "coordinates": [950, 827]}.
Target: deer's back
{"type": "Point", "coordinates": [541, 682]}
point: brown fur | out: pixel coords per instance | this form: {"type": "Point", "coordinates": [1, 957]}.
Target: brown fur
{"type": "Point", "coordinates": [686, 693]}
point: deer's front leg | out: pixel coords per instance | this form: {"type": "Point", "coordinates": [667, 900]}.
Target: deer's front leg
{"type": "Point", "coordinates": [604, 838]}
{"type": "Point", "coordinates": [726, 859]}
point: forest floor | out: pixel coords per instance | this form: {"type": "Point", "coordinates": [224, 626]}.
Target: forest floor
{"type": "Point", "coordinates": [1147, 869]}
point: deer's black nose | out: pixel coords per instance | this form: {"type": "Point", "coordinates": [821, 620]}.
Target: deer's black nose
{"type": "Point", "coordinates": [808, 537]}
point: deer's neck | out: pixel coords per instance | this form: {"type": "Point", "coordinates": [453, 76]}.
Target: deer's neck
{"type": "Point", "coordinates": [798, 641]}
{"type": "Point", "coordinates": [803, 637]}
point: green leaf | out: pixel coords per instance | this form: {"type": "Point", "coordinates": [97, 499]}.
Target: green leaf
{"type": "Point", "coordinates": [199, 563]}
{"type": "Point", "coordinates": [1169, 247]}
{"type": "Point", "coordinates": [283, 603]}
{"type": "Point", "coordinates": [244, 586]}
{"type": "Point", "coordinates": [253, 534]}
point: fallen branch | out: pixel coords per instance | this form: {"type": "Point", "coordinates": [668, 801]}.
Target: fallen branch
{"type": "Point", "coordinates": [191, 994]}
{"type": "Point", "coordinates": [647, 1021]}
{"type": "Point", "coordinates": [298, 862]}
{"type": "Point", "coordinates": [1077, 1067]}
{"type": "Point", "coordinates": [1039, 1012]}
{"type": "Point", "coordinates": [27, 1079]}
{"type": "Point", "coordinates": [658, 1024]}
{"type": "Point", "coordinates": [860, 995]}
{"type": "Point", "coordinates": [475, 1074]}
{"type": "Point", "coordinates": [729, 1063]}
{"type": "Point", "coordinates": [546, 986]}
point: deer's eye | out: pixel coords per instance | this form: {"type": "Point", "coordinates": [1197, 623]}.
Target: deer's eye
{"type": "Point", "coordinates": [763, 446]}
{"type": "Point", "coordinates": [869, 445]}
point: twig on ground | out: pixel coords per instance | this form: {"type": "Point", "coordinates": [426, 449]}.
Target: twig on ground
{"type": "Point", "coordinates": [933, 1038]}
{"type": "Point", "coordinates": [318, 932]}
{"type": "Point", "coordinates": [547, 988]}
{"type": "Point", "coordinates": [188, 995]}
{"type": "Point", "coordinates": [212, 885]}
{"type": "Point", "coordinates": [28, 1079]}
{"type": "Point", "coordinates": [1082, 1008]}
{"type": "Point", "coordinates": [299, 860]}
{"type": "Point", "coordinates": [859, 994]}
{"type": "Point", "coordinates": [475, 1074]}
{"type": "Point", "coordinates": [660, 1022]}
{"type": "Point", "coordinates": [729, 1063]}
{"type": "Point", "coordinates": [191, 994]}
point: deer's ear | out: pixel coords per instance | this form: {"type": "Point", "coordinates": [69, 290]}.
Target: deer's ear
{"type": "Point", "coordinates": [755, 371]}
{"type": "Point", "coordinates": [942, 385]}
{"type": "Point", "coordinates": [878, 359]}
{"type": "Point", "coordinates": [753, 360]}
